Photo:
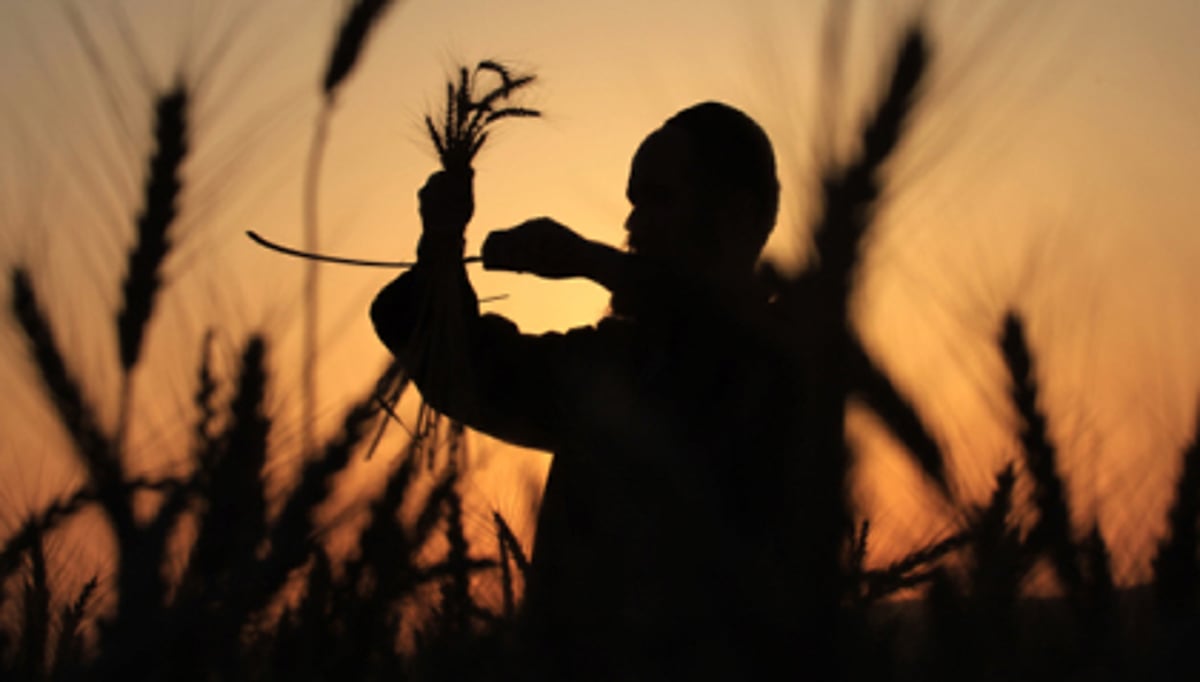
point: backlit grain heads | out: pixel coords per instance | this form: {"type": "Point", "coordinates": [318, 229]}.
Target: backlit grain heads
{"type": "Point", "coordinates": [143, 277]}
{"type": "Point", "coordinates": [464, 123]}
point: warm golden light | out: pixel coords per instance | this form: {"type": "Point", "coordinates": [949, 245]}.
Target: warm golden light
{"type": "Point", "coordinates": [1049, 170]}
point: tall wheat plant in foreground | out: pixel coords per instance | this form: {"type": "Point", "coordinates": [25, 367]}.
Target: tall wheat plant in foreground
{"type": "Point", "coordinates": [360, 19]}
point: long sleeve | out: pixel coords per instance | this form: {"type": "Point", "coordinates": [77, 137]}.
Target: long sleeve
{"type": "Point", "coordinates": [477, 369]}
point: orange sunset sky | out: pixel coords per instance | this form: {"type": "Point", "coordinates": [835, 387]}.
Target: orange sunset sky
{"type": "Point", "coordinates": [1051, 167]}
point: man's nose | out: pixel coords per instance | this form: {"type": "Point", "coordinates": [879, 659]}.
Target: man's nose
{"type": "Point", "coordinates": [633, 221]}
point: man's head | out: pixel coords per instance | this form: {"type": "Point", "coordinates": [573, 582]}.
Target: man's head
{"type": "Point", "coordinates": [704, 191]}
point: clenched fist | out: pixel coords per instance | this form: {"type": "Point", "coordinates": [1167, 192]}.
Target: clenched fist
{"type": "Point", "coordinates": [542, 247]}
{"type": "Point", "coordinates": [447, 203]}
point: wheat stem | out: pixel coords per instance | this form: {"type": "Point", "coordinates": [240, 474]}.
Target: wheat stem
{"type": "Point", "coordinates": [308, 380]}
{"type": "Point", "coordinates": [287, 250]}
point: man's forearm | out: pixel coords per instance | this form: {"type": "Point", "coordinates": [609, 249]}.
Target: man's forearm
{"type": "Point", "coordinates": [607, 266]}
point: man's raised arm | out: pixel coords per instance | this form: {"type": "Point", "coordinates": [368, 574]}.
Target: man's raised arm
{"type": "Point", "coordinates": [479, 370]}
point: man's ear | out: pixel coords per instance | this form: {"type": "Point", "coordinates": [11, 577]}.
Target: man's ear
{"type": "Point", "coordinates": [738, 219]}
{"type": "Point", "coordinates": [745, 204]}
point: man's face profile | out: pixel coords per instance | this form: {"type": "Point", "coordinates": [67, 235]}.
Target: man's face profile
{"type": "Point", "coordinates": [662, 220]}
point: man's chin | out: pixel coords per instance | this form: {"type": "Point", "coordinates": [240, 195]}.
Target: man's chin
{"type": "Point", "coordinates": [619, 306]}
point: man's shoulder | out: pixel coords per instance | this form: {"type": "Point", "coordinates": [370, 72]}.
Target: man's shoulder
{"type": "Point", "coordinates": [607, 335]}
{"type": "Point", "coordinates": [610, 324]}
{"type": "Point", "coordinates": [607, 330]}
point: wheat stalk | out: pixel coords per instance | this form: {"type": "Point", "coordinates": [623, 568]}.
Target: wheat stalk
{"type": "Point", "coordinates": [59, 512]}
{"type": "Point", "coordinates": [1052, 531]}
{"type": "Point", "coordinates": [456, 597]}
{"type": "Point", "coordinates": [872, 384]}
{"type": "Point", "coordinates": [849, 195]}
{"type": "Point", "coordinates": [508, 594]}
{"type": "Point", "coordinates": [384, 541]}
{"type": "Point", "coordinates": [352, 36]}
{"type": "Point", "coordinates": [35, 628]}
{"type": "Point", "coordinates": [819, 302]}
{"type": "Point", "coordinates": [1176, 564]}
{"type": "Point", "coordinates": [143, 277]}
{"type": "Point", "coordinates": [388, 389]}
{"type": "Point", "coordinates": [913, 570]}
{"type": "Point", "coordinates": [234, 520]}
{"type": "Point", "coordinates": [206, 388]}
{"type": "Point", "coordinates": [291, 531]}
{"type": "Point", "coordinates": [68, 652]}
{"type": "Point", "coordinates": [468, 115]}
{"type": "Point", "coordinates": [1097, 608]}
{"type": "Point", "coordinates": [92, 446]}
{"type": "Point", "coordinates": [460, 133]}
{"type": "Point", "coordinates": [509, 539]}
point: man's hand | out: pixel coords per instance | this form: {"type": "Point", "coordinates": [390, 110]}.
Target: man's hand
{"type": "Point", "coordinates": [447, 203]}
{"type": "Point", "coordinates": [542, 247]}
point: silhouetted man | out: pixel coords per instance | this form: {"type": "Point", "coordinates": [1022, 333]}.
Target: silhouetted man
{"type": "Point", "coordinates": [659, 542]}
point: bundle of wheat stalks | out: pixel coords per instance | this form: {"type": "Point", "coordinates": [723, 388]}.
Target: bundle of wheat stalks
{"type": "Point", "coordinates": [458, 133]}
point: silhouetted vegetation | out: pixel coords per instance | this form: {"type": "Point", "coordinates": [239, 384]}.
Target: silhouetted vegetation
{"type": "Point", "coordinates": [260, 596]}
{"type": "Point", "coordinates": [233, 612]}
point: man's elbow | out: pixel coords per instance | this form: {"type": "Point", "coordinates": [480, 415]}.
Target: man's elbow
{"type": "Point", "coordinates": [387, 317]}
{"type": "Point", "coordinates": [379, 320]}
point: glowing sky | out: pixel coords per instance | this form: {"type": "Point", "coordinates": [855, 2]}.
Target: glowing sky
{"type": "Point", "coordinates": [1052, 167]}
